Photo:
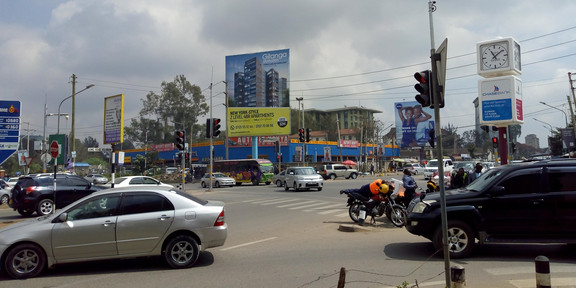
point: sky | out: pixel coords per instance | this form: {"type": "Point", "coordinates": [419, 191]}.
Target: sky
{"type": "Point", "coordinates": [342, 53]}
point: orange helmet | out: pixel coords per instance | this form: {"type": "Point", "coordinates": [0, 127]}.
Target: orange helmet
{"type": "Point", "coordinates": [375, 186]}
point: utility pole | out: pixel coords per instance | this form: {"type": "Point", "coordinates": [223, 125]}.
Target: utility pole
{"type": "Point", "coordinates": [73, 131]}
{"type": "Point", "coordinates": [339, 141]}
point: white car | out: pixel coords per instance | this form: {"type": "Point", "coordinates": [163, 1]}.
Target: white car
{"type": "Point", "coordinates": [4, 196]}
{"type": "Point", "coordinates": [278, 179]}
{"type": "Point", "coordinates": [218, 180]}
{"type": "Point", "coordinates": [138, 180]}
{"type": "Point", "coordinates": [96, 178]}
{"type": "Point", "coordinates": [303, 178]}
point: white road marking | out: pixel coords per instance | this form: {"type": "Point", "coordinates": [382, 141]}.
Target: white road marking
{"type": "Point", "coordinates": [249, 243]}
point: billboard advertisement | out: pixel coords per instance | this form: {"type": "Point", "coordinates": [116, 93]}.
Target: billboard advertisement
{"type": "Point", "coordinates": [501, 101]}
{"type": "Point", "coordinates": [257, 93]}
{"type": "Point", "coordinates": [413, 124]}
{"type": "Point", "coordinates": [114, 119]}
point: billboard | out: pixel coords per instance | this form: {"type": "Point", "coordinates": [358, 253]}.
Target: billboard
{"type": "Point", "coordinates": [114, 119]}
{"type": "Point", "coordinates": [413, 124]}
{"type": "Point", "coordinates": [257, 93]}
{"type": "Point", "coordinates": [9, 128]}
{"type": "Point", "coordinates": [501, 101]}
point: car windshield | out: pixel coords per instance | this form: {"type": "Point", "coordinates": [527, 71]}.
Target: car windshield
{"type": "Point", "coordinates": [305, 171]}
{"type": "Point", "coordinates": [484, 180]}
{"type": "Point", "coordinates": [218, 175]}
{"type": "Point", "coordinates": [266, 169]}
{"type": "Point", "coordinates": [432, 163]}
{"type": "Point", "coordinates": [119, 180]}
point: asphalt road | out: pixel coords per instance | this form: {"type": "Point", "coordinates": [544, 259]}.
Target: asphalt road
{"type": "Point", "coordinates": [292, 239]}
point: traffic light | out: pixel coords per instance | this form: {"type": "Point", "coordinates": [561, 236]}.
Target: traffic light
{"type": "Point", "coordinates": [208, 128]}
{"type": "Point", "coordinates": [494, 142]}
{"type": "Point", "coordinates": [179, 157]}
{"type": "Point", "coordinates": [485, 128]}
{"type": "Point", "coordinates": [432, 134]}
{"type": "Point", "coordinates": [307, 134]}
{"type": "Point", "coordinates": [180, 140]}
{"type": "Point", "coordinates": [277, 147]}
{"type": "Point", "coordinates": [424, 87]}
{"type": "Point", "coordinates": [301, 134]}
{"type": "Point", "coordinates": [216, 127]}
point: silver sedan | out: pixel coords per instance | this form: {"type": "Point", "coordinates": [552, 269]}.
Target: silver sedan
{"type": "Point", "coordinates": [115, 223]}
{"type": "Point", "coordinates": [218, 180]}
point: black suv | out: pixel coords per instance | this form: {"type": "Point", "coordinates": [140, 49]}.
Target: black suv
{"type": "Point", "coordinates": [532, 202]}
{"type": "Point", "coordinates": [35, 193]}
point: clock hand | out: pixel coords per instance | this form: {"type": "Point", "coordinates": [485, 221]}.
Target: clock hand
{"type": "Point", "coordinates": [495, 55]}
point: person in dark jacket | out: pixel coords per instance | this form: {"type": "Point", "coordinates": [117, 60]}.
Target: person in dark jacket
{"type": "Point", "coordinates": [459, 180]}
{"type": "Point", "coordinates": [409, 187]}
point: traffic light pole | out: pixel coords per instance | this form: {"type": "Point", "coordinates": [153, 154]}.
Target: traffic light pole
{"type": "Point", "coordinates": [437, 98]}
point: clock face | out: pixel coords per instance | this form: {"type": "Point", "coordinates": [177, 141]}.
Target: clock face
{"type": "Point", "coordinates": [494, 56]}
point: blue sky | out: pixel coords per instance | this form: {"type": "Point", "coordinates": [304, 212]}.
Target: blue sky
{"type": "Point", "coordinates": [342, 53]}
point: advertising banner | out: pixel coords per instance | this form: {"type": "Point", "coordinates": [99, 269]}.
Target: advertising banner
{"type": "Point", "coordinates": [263, 141]}
{"type": "Point", "coordinates": [257, 93]}
{"type": "Point", "coordinates": [500, 101]}
{"type": "Point", "coordinates": [413, 124]}
{"type": "Point", "coordinates": [114, 119]}
{"type": "Point", "coordinates": [9, 128]}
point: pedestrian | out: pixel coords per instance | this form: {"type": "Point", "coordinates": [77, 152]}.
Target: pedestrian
{"type": "Point", "coordinates": [409, 187]}
{"type": "Point", "coordinates": [372, 169]}
{"type": "Point", "coordinates": [477, 172]}
{"type": "Point", "coordinates": [459, 180]}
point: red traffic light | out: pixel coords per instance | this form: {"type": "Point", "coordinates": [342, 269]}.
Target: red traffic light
{"type": "Point", "coordinates": [179, 134]}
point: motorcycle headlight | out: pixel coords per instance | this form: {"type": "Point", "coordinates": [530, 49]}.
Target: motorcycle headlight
{"type": "Point", "coordinates": [421, 206]}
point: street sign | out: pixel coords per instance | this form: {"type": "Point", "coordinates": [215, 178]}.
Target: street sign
{"type": "Point", "coordinates": [54, 149]}
{"type": "Point", "coordinates": [9, 128]}
{"type": "Point", "coordinates": [45, 158]}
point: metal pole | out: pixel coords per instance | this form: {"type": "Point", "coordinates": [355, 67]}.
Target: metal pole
{"type": "Point", "coordinates": [44, 140]}
{"type": "Point", "coordinates": [440, 156]}
{"type": "Point", "coordinates": [573, 120]}
{"type": "Point", "coordinates": [211, 141]}
{"type": "Point", "coordinates": [565, 115]}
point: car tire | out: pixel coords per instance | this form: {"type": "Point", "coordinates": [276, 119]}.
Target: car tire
{"type": "Point", "coordinates": [4, 199]}
{"type": "Point", "coordinates": [319, 188]}
{"type": "Point", "coordinates": [286, 188]}
{"type": "Point", "coordinates": [295, 186]}
{"type": "Point", "coordinates": [461, 239]}
{"type": "Point", "coordinates": [181, 252]}
{"type": "Point", "coordinates": [332, 176]}
{"type": "Point", "coordinates": [217, 184]}
{"type": "Point", "coordinates": [24, 261]}
{"type": "Point", "coordinates": [255, 182]}
{"type": "Point", "coordinates": [25, 212]}
{"type": "Point", "coordinates": [353, 175]}
{"type": "Point", "coordinates": [203, 184]}
{"type": "Point", "coordinates": [45, 207]}
{"type": "Point", "coordinates": [278, 183]}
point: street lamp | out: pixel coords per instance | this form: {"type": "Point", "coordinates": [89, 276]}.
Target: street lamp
{"type": "Point", "coordinates": [59, 106]}
{"type": "Point", "coordinates": [551, 129]}
{"type": "Point", "coordinates": [565, 115]}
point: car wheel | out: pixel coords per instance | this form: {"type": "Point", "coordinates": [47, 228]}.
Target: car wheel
{"type": "Point", "coordinates": [278, 183]}
{"type": "Point", "coordinates": [25, 212]}
{"type": "Point", "coordinates": [286, 188]}
{"type": "Point", "coordinates": [181, 252]}
{"type": "Point", "coordinates": [4, 199]}
{"type": "Point", "coordinates": [217, 184]}
{"type": "Point", "coordinates": [295, 187]}
{"type": "Point", "coordinates": [45, 207]}
{"type": "Point", "coordinates": [255, 182]}
{"type": "Point", "coordinates": [461, 239]}
{"type": "Point", "coordinates": [24, 261]}
{"type": "Point", "coordinates": [203, 184]}
{"type": "Point", "coordinates": [319, 188]}
{"type": "Point", "coordinates": [332, 176]}
{"type": "Point", "coordinates": [353, 175]}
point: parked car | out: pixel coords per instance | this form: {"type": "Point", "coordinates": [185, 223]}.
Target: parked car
{"type": "Point", "coordinates": [278, 179]}
{"type": "Point", "coordinates": [12, 181]}
{"type": "Point", "coordinates": [468, 166]}
{"type": "Point", "coordinates": [532, 202]}
{"type": "Point", "coordinates": [35, 193]}
{"type": "Point", "coordinates": [116, 223]}
{"type": "Point", "coordinates": [4, 196]}
{"type": "Point", "coordinates": [487, 166]}
{"type": "Point", "coordinates": [299, 178]}
{"type": "Point", "coordinates": [332, 171]}
{"type": "Point", "coordinates": [415, 168]}
{"type": "Point", "coordinates": [137, 181]}
{"type": "Point", "coordinates": [218, 180]}
{"type": "Point", "coordinates": [96, 178]}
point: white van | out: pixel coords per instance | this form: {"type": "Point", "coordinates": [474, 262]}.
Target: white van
{"type": "Point", "coordinates": [431, 169]}
{"type": "Point", "coordinates": [170, 170]}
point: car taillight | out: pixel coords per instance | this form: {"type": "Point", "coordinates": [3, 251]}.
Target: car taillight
{"type": "Point", "coordinates": [220, 219]}
{"type": "Point", "coordinates": [30, 189]}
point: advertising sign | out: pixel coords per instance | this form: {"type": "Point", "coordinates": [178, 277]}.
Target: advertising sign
{"type": "Point", "coordinates": [501, 101]}
{"type": "Point", "coordinates": [258, 121]}
{"type": "Point", "coordinates": [114, 119]}
{"type": "Point", "coordinates": [413, 124]}
{"type": "Point", "coordinates": [263, 141]}
{"type": "Point", "coordinates": [258, 93]}
{"type": "Point", "coordinates": [9, 128]}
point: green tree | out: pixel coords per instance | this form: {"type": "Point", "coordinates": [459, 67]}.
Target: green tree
{"type": "Point", "coordinates": [178, 106]}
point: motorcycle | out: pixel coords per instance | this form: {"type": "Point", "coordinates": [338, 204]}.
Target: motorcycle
{"type": "Point", "coordinates": [383, 205]}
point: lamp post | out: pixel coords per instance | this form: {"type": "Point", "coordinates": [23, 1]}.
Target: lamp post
{"type": "Point", "coordinates": [551, 129]}
{"type": "Point", "coordinates": [565, 115]}
{"type": "Point", "coordinates": [60, 106]}
{"type": "Point", "coordinates": [301, 108]}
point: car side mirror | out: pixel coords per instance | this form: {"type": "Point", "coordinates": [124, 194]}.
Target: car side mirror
{"type": "Point", "coordinates": [63, 217]}
{"type": "Point", "coordinates": [497, 191]}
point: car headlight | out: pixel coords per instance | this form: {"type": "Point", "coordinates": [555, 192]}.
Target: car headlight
{"type": "Point", "coordinates": [421, 206]}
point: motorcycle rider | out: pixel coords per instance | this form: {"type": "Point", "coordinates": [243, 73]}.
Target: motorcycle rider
{"type": "Point", "coordinates": [370, 193]}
